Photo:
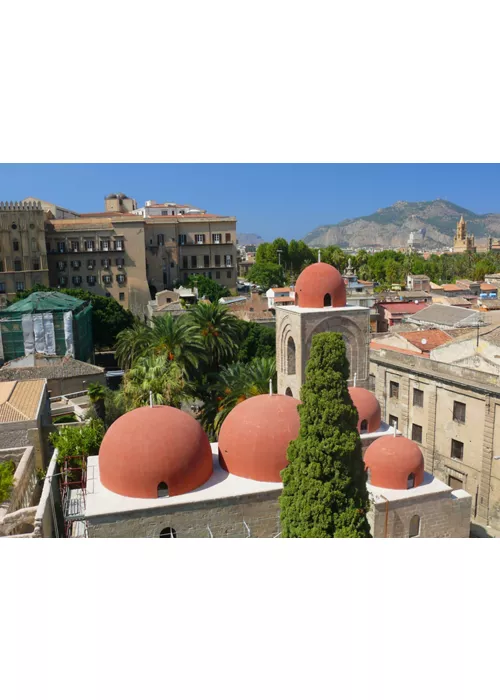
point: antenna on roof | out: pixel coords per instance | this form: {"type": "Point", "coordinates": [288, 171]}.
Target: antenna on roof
{"type": "Point", "coordinates": [270, 386]}
{"type": "Point", "coordinates": [319, 255]}
{"type": "Point", "coordinates": [355, 377]}
{"type": "Point", "coordinates": [151, 399]}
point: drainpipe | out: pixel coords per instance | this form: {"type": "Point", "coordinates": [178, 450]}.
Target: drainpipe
{"type": "Point", "coordinates": [386, 515]}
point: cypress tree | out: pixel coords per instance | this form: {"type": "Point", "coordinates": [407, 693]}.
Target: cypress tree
{"type": "Point", "coordinates": [324, 485]}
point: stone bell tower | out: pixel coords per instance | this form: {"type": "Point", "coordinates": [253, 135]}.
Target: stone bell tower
{"type": "Point", "coordinates": [320, 305]}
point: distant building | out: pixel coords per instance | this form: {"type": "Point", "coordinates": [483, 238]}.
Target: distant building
{"type": "Point", "coordinates": [418, 283]}
{"type": "Point", "coordinates": [64, 375]}
{"type": "Point", "coordinates": [391, 313]}
{"type": "Point", "coordinates": [463, 242]}
{"type": "Point", "coordinates": [280, 296]}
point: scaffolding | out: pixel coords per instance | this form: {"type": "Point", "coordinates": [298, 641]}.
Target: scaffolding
{"type": "Point", "coordinates": [73, 489]}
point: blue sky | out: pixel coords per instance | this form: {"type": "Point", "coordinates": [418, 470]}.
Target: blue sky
{"type": "Point", "coordinates": [268, 199]}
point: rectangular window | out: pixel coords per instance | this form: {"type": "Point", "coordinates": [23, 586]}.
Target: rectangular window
{"type": "Point", "coordinates": [418, 398]}
{"type": "Point", "coordinates": [61, 247]}
{"type": "Point", "coordinates": [193, 261]}
{"type": "Point", "coordinates": [164, 212]}
{"type": "Point", "coordinates": [75, 247]}
{"type": "Point", "coordinates": [89, 246]}
{"type": "Point", "coordinates": [20, 286]}
{"type": "Point", "coordinates": [77, 280]}
{"type": "Point", "coordinates": [217, 261]}
{"type": "Point", "coordinates": [216, 237]}
{"type": "Point", "coordinates": [91, 280]}
{"type": "Point", "coordinates": [459, 412]}
{"type": "Point", "coordinates": [121, 296]}
{"type": "Point", "coordinates": [75, 264]}
{"type": "Point", "coordinates": [217, 275]}
{"type": "Point", "coordinates": [206, 261]}
{"type": "Point", "coordinates": [182, 239]}
{"type": "Point", "coordinates": [15, 245]}
{"type": "Point", "coordinates": [457, 449]}
{"type": "Point", "coordinates": [18, 265]}
{"type": "Point", "coordinates": [105, 245]}
{"type": "Point", "coordinates": [454, 482]}
{"type": "Point", "coordinates": [1, 265]}
{"type": "Point", "coordinates": [2, 287]}
{"type": "Point", "coordinates": [229, 260]}
{"type": "Point", "coordinates": [120, 279]}
{"type": "Point", "coordinates": [90, 264]}
{"type": "Point", "coordinates": [119, 245]}
{"type": "Point", "coordinates": [106, 262]}
{"type": "Point", "coordinates": [393, 421]}
{"type": "Point", "coordinates": [393, 390]}
{"type": "Point", "coordinates": [185, 261]}
{"type": "Point", "coordinates": [62, 281]}
{"type": "Point", "coordinates": [120, 262]}
{"type": "Point", "coordinates": [200, 238]}
{"type": "Point", "coordinates": [161, 239]}
{"type": "Point", "coordinates": [35, 264]}
{"type": "Point", "coordinates": [228, 238]}
{"type": "Point", "coordinates": [416, 433]}
{"type": "Point", "coordinates": [228, 274]}
{"type": "Point", "coordinates": [107, 279]}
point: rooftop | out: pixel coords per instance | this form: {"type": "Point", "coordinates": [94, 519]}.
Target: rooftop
{"type": "Point", "coordinates": [404, 307]}
{"type": "Point", "coordinates": [46, 367]}
{"type": "Point", "coordinates": [433, 338]}
{"type": "Point", "coordinates": [39, 302]}
{"type": "Point", "coordinates": [440, 314]}
{"type": "Point", "coordinates": [20, 401]}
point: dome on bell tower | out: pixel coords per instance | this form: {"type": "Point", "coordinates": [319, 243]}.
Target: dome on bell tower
{"type": "Point", "coordinates": [318, 286]}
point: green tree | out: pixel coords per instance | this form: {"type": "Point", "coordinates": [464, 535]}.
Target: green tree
{"type": "Point", "coordinates": [219, 331]}
{"type": "Point", "coordinates": [96, 393]}
{"type": "Point", "coordinates": [266, 275]}
{"type": "Point", "coordinates": [173, 337]}
{"type": "Point", "coordinates": [208, 288]}
{"type": "Point", "coordinates": [7, 470]}
{"type": "Point", "coordinates": [75, 443]}
{"type": "Point", "coordinates": [324, 485]}
{"type": "Point", "coordinates": [131, 344]}
{"type": "Point", "coordinates": [158, 378]}
{"type": "Point", "coordinates": [256, 340]}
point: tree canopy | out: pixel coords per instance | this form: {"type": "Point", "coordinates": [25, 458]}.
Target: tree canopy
{"type": "Point", "coordinates": [324, 486]}
{"type": "Point", "coordinates": [207, 288]}
{"type": "Point", "coordinates": [266, 275]}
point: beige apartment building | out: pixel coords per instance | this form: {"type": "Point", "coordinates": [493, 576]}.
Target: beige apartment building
{"type": "Point", "coordinates": [453, 413]}
{"type": "Point", "coordinates": [23, 254]}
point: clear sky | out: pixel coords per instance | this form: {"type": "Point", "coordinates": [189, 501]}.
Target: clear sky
{"type": "Point", "coordinates": [268, 199]}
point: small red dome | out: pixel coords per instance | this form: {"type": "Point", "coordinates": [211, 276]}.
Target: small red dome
{"type": "Point", "coordinates": [368, 409]}
{"type": "Point", "coordinates": [254, 438]}
{"type": "Point", "coordinates": [320, 285]}
{"type": "Point", "coordinates": [394, 463]}
{"type": "Point", "coordinates": [151, 446]}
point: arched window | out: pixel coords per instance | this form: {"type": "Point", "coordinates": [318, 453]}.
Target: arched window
{"type": "Point", "coordinates": [411, 481]}
{"type": "Point", "coordinates": [364, 426]}
{"type": "Point", "coordinates": [162, 489]}
{"type": "Point", "coordinates": [168, 532]}
{"type": "Point", "coordinates": [327, 301]}
{"type": "Point", "coordinates": [296, 298]}
{"type": "Point", "coordinates": [290, 356]}
{"type": "Point", "coordinates": [415, 526]}
{"type": "Point", "coordinates": [288, 392]}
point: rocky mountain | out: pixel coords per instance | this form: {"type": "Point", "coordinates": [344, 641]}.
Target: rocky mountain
{"type": "Point", "coordinates": [249, 239]}
{"type": "Point", "coordinates": [434, 224]}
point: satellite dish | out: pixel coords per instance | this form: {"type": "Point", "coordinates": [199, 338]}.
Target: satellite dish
{"type": "Point", "coordinates": [424, 341]}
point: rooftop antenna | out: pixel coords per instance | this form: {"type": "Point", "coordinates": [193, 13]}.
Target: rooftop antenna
{"type": "Point", "coordinates": [270, 387]}
{"type": "Point", "coordinates": [355, 377]}
{"type": "Point", "coordinates": [151, 399]}
{"type": "Point", "coordinates": [319, 255]}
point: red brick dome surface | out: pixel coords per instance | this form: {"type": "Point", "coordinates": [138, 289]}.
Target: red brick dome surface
{"type": "Point", "coordinates": [368, 408]}
{"type": "Point", "coordinates": [254, 438]}
{"type": "Point", "coordinates": [151, 445]}
{"type": "Point", "coordinates": [391, 460]}
{"type": "Point", "coordinates": [315, 282]}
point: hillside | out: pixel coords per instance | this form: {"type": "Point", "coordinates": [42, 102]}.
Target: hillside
{"type": "Point", "coordinates": [391, 227]}
{"type": "Point", "coordinates": [249, 239]}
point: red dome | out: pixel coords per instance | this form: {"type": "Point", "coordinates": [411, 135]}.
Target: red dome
{"type": "Point", "coordinates": [392, 461]}
{"type": "Point", "coordinates": [151, 446]}
{"type": "Point", "coordinates": [315, 283]}
{"type": "Point", "coordinates": [368, 409]}
{"type": "Point", "coordinates": [255, 436]}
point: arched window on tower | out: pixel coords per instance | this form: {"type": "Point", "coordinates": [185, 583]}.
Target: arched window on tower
{"type": "Point", "coordinates": [162, 489]}
{"type": "Point", "coordinates": [290, 356]}
{"type": "Point", "coordinates": [168, 532]}
{"type": "Point", "coordinates": [415, 526]}
{"type": "Point", "coordinates": [411, 481]}
{"type": "Point", "coordinates": [327, 301]}
{"type": "Point", "coordinates": [364, 426]}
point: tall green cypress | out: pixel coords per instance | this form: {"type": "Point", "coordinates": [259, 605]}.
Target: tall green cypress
{"type": "Point", "coordinates": [324, 485]}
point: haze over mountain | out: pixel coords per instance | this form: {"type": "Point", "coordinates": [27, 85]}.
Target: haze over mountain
{"type": "Point", "coordinates": [249, 239]}
{"type": "Point", "coordinates": [391, 227]}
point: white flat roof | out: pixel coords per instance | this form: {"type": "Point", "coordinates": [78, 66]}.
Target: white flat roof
{"type": "Point", "coordinates": [340, 309]}
{"type": "Point", "coordinates": [100, 501]}
{"type": "Point", "coordinates": [430, 485]}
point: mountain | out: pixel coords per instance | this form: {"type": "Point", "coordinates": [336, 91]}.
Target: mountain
{"type": "Point", "coordinates": [391, 227]}
{"type": "Point", "coordinates": [248, 239]}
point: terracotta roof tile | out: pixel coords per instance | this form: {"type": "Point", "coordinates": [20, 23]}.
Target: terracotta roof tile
{"type": "Point", "coordinates": [22, 402]}
{"type": "Point", "coordinates": [403, 307]}
{"type": "Point", "coordinates": [434, 338]}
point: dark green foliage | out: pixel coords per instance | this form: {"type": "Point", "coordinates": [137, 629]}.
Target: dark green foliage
{"type": "Point", "coordinates": [207, 288]}
{"type": "Point", "coordinates": [7, 470]}
{"type": "Point", "coordinates": [108, 316]}
{"type": "Point", "coordinates": [256, 340]}
{"type": "Point", "coordinates": [266, 275]}
{"type": "Point", "coordinates": [75, 443]}
{"type": "Point", "coordinates": [68, 418]}
{"type": "Point", "coordinates": [324, 485]}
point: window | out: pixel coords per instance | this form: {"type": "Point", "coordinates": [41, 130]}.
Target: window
{"type": "Point", "coordinates": [364, 426]}
{"type": "Point", "coordinates": [119, 244]}
{"type": "Point", "coordinates": [164, 212]}
{"type": "Point", "coordinates": [63, 281]}
{"type": "Point", "coordinates": [168, 532]}
{"type": "Point", "coordinates": [1, 265]}
{"type": "Point", "coordinates": [75, 246]}
{"type": "Point", "coordinates": [228, 238]}
{"type": "Point", "coordinates": [14, 226]}
{"type": "Point", "coordinates": [162, 489]}
{"type": "Point", "coordinates": [418, 398]}
{"type": "Point", "coordinates": [77, 280]}
{"type": "Point", "coordinates": [184, 261]}
{"type": "Point", "coordinates": [182, 211]}
{"type": "Point", "coordinates": [120, 262]}
{"type": "Point", "coordinates": [182, 239]}
{"type": "Point", "coordinates": [120, 279]}
{"type": "Point", "coordinates": [455, 482]}
{"type": "Point", "coordinates": [290, 356]}
{"type": "Point", "coordinates": [327, 301]}
{"type": "Point", "coordinates": [206, 261]}
{"type": "Point", "coordinates": [459, 412]}
{"type": "Point", "coordinates": [193, 261]}
{"type": "Point", "coordinates": [91, 280]}
{"type": "Point", "coordinates": [61, 247]}
{"type": "Point", "coordinates": [75, 264]}
{"type": "Point", "coordinates": [161, 239]}
{"type": "Point", "coordinates": [217, 261]}
{"type": "Point", "coordinates": [457, 449]}
{"type": "Point", "coordinates": [228, 274]}
{"type": "Point", "coordinates": [89, 246]}
{"type": "Point", "coordinates": [416, 433]}
{"type": "Point", "coordinates": [18, 265]}
{"type": "Point", "coordinates": [393, 421]}
{"type": "Point", "coordinates": [2, 287]}
{"type": "Point", "coordinates": [61, 265]}
{"type": "Point", "coordinates": [15, 245]}
{"type": "Point", "coordinates": [122, 296]}
{"type": "Point", "coordinates": [107, 279]}
{"type": "Point", "coordinates": [35, 264]}
{"type": "Point", "coordinates": [216, 237]}
{"type": "Point", "coordinates": [393, 390]}
{"type": "Point", "coordinates": [209, 273]}
{"type": "Point", "coordinates": [229, 260]}
{"type": "Point", "coordinates": [415, 526]}
{"type": "Point", "coordinates": [410, 483]}
{"type": "Point", "coordinates": [200, 238]}
{"type": "Point", "coordinates": [34, 244]}
{"type": "Point", "coordinates": [20, 286]}
{"type": "Point", "coordinates": [90, 264]}
{"type": "Point", "coordinates": [217, 275]}
{"type": "Point", "coordinates": [105, 245]}
{"type": "Point", "coordinates": [106, 262]}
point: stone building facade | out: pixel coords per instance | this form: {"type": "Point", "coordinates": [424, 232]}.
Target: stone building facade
{"type": "Point", "coordinates": [453, 413]}
{"type": "Point", "coordinates": [23, 253]}
{"type": "Point", "coordinates": [463, 242]}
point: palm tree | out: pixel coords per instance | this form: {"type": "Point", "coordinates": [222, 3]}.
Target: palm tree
{"type": "Point", "coordinates": [158, 378]}
{"type": "Point", "coordinates": [174, 337]}
{"type": "Point", "coordinates": [235, 384]}
{"type": "Point", "coordinates": [97, 393]}
{"type": "Point", "coordinates": [131, 344]}
{"type": "Point", "coordinates": [219, 331]}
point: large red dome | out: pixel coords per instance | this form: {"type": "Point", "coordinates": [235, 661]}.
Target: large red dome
{"type": "Point", "coordinates": [394, 463]}
{"type": "Point", "coordinates": [152, 446]}
{"type": "Point", "coordinates": [320, 285]}
{"type": "Point", "coordinates": [368, 409]}
{"type": "Point", "coordinates": [254, 438]}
